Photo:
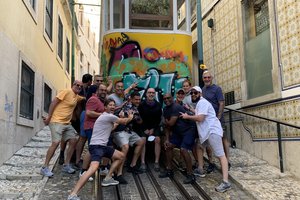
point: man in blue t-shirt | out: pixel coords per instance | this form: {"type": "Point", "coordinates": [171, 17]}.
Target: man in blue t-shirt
{"type": "Point", "coordinates": [180, 133]}
{"type": "Point", "coordinates": [213, 93]}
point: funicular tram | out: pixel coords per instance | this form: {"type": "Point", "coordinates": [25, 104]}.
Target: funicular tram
{"type": "Point", "coordinates": [147, 41]}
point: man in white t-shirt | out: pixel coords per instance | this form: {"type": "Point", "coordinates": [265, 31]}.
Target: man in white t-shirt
{"type": "Point", "coordinates": [210, 133]}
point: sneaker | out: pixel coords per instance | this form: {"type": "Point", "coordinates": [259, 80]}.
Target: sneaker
{"type": "Point", "coordinates": [45, 171]}
{"type": "Point", "coordinates": [166, 173]}
{"type": "Point", "coordinates": [121, 179]}
{"type": "Point", "coordinates": [190, 178]}
{"type": "Point", "coordinates": [77, 166]}
{"type": "Point", "coordinates": [73, 197]}
{"type": "Point", "coordinates": [134, 170]}
{"type": "Point", "coordinates": [61, 159]}
{"type": "Point", "coordinates": [108, 182]}
{"type": "Point", "coordinates": [211, 167]}
{"type": "Point", "coordinates": [223, 187]}
{"type": "Point", "coordinates": [156, 167]}
{"type": "Point", "coordinates": [68, 169]}
{"type": "Point", "coordinates": [199, 172]}
{"type": "Point", "coordinates": [90, 178]}
{"type": "Point", "coordinates": [143, 167]}
{"type": "Point", "coordinates": [104, 172]}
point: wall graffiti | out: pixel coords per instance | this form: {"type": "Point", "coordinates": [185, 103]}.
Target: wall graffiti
{"type": "Point", "coordinates": [8, 108]}
{"type": "Point", "coordinates": [147, 60]}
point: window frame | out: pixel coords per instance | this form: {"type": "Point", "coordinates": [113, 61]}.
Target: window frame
{"type": "Point", "coordinates": [32, 9]}
{"type": "Point", "coordinates": [60, 39]}
{"type": "Point", "coordinates": [21, 120]}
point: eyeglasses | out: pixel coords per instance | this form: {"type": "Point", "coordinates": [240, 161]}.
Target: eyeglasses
{"type": "Point", "coordinates": [99, 80]}
{"type": "Point", "coordinates": [167, 98]}
{"type": "Point", "coordinates": [78, 85]}
{"type": "Point", "coordinates": [194, 93]}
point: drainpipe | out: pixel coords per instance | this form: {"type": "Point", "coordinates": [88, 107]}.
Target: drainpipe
{"type": "Point", "coordinates": [201, 65]}
{"type": "Point", "coordinates": [73, 42]}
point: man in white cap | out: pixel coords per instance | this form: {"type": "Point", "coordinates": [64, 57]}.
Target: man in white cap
{"type": "Point", "coordinates": [210, 133]}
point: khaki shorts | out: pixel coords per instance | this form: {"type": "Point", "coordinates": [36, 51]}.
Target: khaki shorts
{"type": "Point", "coordinates": [121, 138]}
{"type": "Point", "coordinates": [62, 132]}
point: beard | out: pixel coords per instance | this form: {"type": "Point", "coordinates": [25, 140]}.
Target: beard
{"type": "Point", "coordinates": [196, 100]}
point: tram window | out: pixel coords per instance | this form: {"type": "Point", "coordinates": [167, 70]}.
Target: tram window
{"type": "Point", "coordinates": [107, 15]}
{"type": "Point", "coordinates": [154, 14]}
{"type": "Point", "coordinates": [119, 16]}
{"type": "Point", "coordinates": [181, 15]}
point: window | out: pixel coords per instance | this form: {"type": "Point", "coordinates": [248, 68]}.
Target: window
{"type": "Point", "coordinates": [181, 15]}
{"type": "Point", "coordinates": [67, 56]}
{"type": "Point", "coordinates": [154, 14]}
{"type": "Point", "coordinates": [47, 97]}
{"type": "Point", "coordinates": [60, 40]}
{"type": "Point", "coordinates": [119, 14]}
{"type": "Point", "coordinates": [27, 92]}
{"type": "Point", "coordinates": [49, 18]}
{"type": "Point", "coordinates": [32, 3]}
{"type": "Point", "coordinates": [257, 44]}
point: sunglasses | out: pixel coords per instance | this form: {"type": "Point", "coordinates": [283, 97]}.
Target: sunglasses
{"type": "Point", "coordinates": [207, 77]}
{"type": "Point", "coordinates": [167, 98]}
{"type": "Point", "coordinates": [194, 93]}
{"type": "Point", "coordinates": [180, 93]}
{"type": "Point", "coordinates": [99, 80]}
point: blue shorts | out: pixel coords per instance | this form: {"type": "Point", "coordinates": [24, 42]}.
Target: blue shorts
{"type": "Point", "coordinates": [88, 134]}
{"type": "Point", "coordinates": [82, 116]}
{"type": "Point", "coordinates": [99, 151]}
{"type": "Point", "coordinates": [185, 140]}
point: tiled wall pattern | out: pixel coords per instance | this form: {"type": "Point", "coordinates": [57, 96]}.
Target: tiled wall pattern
{"type": "Point", "coordinates": [221, 56]}
{"type": "Point", "coordinates": [289, 34]}
{"type": "Point", "coordinates": [288, 112]}
{"type": "Point", "coordinates": [221, 46]}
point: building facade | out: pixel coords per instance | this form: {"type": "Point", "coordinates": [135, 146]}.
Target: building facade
{"type": "Point", "coordinates": [35, 53]}
{"type": "Point", "coordinates": [252, 48]}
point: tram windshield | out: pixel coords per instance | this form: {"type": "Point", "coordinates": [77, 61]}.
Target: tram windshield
{"type": "Point", "coordinates": [146, 14]}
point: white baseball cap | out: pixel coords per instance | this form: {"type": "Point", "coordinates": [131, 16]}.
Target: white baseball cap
{"type": "Point", "coordinates": [197, 88]}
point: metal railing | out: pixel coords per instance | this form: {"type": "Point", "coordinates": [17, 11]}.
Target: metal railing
{"type": "Point", "coordinates": [278, 123]}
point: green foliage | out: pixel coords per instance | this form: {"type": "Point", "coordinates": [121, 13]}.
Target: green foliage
{"type": "Point", "coordinates": [155, 7]}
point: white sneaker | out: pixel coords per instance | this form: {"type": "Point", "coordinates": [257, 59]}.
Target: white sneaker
{"type": "Point", "coordinates": [90, 178]}
{"type": "Point", "coordinates": [45, 171]}
{"type": "Point", "coordinates": [104, 172]}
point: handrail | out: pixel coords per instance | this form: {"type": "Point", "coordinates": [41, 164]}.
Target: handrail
{"type": "Point", "coordinates": [278, 123]}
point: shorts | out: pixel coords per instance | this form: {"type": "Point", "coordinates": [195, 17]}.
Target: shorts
{"type": "Point", "coordinates": [82, 131]}
{"type": "Point", "coordinates": [122, 137]}
{"type": "Point", "coordinates": [99, 151]}
{"type": "Point", "coordinates": [185, 141]}
{"type": "Point", "coordinates": [88, 134]}
{"type": "Point", "coordinates": [215, 142]}
{"type": "Point", "coordinates": [156, 132]}
{"type": "Point", "coordinates": [62, 132]}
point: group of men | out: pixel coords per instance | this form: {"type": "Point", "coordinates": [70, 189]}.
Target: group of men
{"type": "Point", "coordinates": [123, 119]}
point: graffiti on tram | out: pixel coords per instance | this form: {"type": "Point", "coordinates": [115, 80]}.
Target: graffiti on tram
{"type": "Point", "coordinates": [164, 70]}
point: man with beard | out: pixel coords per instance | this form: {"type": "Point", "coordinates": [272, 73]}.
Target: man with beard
{"type": "Point", "coordinates": [94, 108]}
{"type": "Point", "coordinates": [180, 133]}
{"type": "Point", "coordinates": [210, 133]}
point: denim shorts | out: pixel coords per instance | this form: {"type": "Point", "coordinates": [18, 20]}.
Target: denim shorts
{"type": "Point", "coordinates": [98, 152]}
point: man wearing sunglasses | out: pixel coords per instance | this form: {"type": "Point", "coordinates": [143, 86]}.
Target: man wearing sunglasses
{"type": "Point", "coordinates": [210, 133]}
{"type": "Point", "coordinates": [180, 133]}
{"type": "Point", "coordinates": [59, 121]}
